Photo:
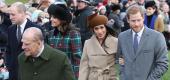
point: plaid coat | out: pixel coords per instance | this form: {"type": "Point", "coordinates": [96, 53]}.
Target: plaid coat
{"type": "Point", "coordinates": [70, 43]}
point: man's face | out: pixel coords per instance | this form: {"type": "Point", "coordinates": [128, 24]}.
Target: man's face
{"type": "Point", "coordinates": [81, 5]}
{"type": "Point", "coordinates": [114, 1]}
{"type": "Point", "coordinates": [141, 1]}
{"type": "Point", "coordinates": [30, 47]}
{"type": "Point", "coordinates": [15, 16]}
{"type": "Point", "coordinates": [136, 21]}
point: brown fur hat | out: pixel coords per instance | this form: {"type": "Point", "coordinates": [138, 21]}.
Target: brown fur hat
{"type": "Point", "coordinates": [96, 19]}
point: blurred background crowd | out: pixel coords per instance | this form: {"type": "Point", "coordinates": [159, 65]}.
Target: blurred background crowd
{"type": "Point", "coordinates": [157, 17]}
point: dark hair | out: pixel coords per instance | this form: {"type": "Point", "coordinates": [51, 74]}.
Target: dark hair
{"type": "Point", "coordinates": [153, 5]}
{"type": "Point", "coordinates": [110, 31]}
{"type": "Point", "coordinates": [115, 7]}
{"type": "Point", "coordinates": [34, 5]}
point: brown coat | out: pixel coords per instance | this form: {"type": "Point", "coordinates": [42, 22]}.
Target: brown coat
{"type": "Point", "coordinates": [159, 24]}
{"type": "Point", "coordinates": [98, 62]}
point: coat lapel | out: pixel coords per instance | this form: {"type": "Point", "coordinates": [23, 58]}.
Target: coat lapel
{"type": "Point", "coordinates": [129, 42]}
{"type": "Point", "coordinates": [97, 45]}
{"type": "Point", "coordinates": [16, 42]}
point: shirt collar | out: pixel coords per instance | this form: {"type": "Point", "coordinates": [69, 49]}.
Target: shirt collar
{"type": "Point", "coordinates": [139, 33]}
{"type": "Point", "coordinates": [43, 53]}
{"type": "Point", "coordinates": [23, 25]}
{"type": "Point", "coordinates": [41, 50]}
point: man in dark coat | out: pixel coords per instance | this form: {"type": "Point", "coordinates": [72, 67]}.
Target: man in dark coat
{"type": "Point", "coordinates": [84, 10]}
{"type": "Point", "coordinates": [20, 23]}
{"type": "Point", "coordinates": [41, 62]}
{"type": "Point", "coordinates": [114, 15]}
{"type": "Point", "coordinates": [4, 24]}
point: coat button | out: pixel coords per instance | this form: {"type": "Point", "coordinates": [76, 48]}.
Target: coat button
{"type": "Point", "coordinates": [35, 73]}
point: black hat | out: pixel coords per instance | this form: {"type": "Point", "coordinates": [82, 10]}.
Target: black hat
{"type": "Point", "coordinates": [86, 1]}
{"type": "Point", "coordinates": [115, 7]}
{"type": "Point", "coordinates": [150, 4]}
{"type": "Point", "coordinates": [35, 5]}
{"type": "Point", "coordinates": [60, 11]}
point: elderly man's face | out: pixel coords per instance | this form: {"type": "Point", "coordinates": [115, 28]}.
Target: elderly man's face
{"type": "Point", "coordinates": [30, 46]}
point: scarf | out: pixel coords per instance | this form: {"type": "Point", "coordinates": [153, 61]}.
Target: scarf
{"type": "Point", "coordinates": [152, 22]}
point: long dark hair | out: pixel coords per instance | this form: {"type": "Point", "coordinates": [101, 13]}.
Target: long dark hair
{"type": "Point", "coordinates": [67, 26]}
{"type": "Point", "coordinates": [110, 31]}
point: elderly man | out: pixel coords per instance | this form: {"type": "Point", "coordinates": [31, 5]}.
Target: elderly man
{"type": "Point", "coordinates": [41, 62]}
{"type": "Point", "coordinates": [82, 12]}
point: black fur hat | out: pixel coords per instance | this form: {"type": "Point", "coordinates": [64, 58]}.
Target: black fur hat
{"type": "Point", "coordinates": [150, 4]}
{"type": "Point", "coordinates": [86, 1]}
{"type": "Point", "coordinates": [115, 7]}
{"type": "Point", "coordinates": [60, 11]}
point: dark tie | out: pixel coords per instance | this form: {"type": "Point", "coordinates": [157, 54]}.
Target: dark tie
{"type": "Point", "coordinates": [135, 43]}
{"type": "Point", "coordinates": [19, 33]}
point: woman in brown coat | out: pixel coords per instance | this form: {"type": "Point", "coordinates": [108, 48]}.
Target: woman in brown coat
{"type": "Point", "coordinates": [97, 62]}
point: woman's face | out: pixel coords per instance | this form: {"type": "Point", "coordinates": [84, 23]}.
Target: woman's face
{"type": "Point", "coordinates": [165, 8]}
{"type": "Point", "coordinates": [150, 11]}
{"type": "Point", "coordinates": [102, 11]}
{"type": "Point", "coordinates": [100, 31]}
{"type": "Point", "coordinates": [55, 22]}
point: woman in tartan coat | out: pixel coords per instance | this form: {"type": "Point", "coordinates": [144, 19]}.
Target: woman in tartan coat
{"type": "Point", "coordinates": [65, 36]}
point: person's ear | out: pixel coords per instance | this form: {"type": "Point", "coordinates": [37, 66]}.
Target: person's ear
{"type": "Point", "coordinates": [127, 18]}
